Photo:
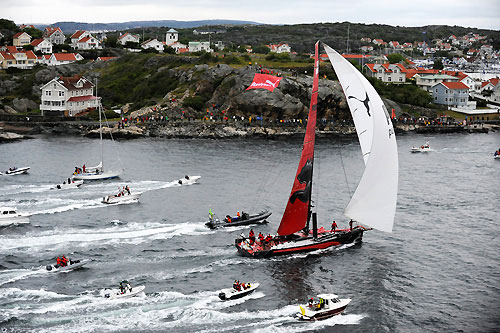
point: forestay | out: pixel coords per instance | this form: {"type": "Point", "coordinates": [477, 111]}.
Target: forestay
{"type": "Point", "coordinates": [374, 201]}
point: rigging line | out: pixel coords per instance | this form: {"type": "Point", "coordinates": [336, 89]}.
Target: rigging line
{"type": "Point", "coordinates": [345, 174]}
{"type": "Point", "coordinates": [265, 181]}
{"type": "Point", "coordinates": [112, 139]}
{"type": "Point", "coordinates": [318, 159]}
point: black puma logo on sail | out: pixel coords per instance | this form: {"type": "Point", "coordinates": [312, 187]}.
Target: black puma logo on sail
{"type": "Point", "coordinates": [304, 176]}
{"type": "Point", "coordinates": [365, 102]}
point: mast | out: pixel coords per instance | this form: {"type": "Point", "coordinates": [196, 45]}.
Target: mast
{"type": "Point", "coordinates": [100, 126]}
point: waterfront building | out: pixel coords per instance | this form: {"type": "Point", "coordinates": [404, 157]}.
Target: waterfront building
{"type": "Point", "coordinates": [67, 96]}
{"type": "Point", "coordinates": [454, 94]}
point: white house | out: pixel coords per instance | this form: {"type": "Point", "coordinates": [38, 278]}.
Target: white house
{"type": "Point", "coordinates": [54, 35]}
{"type": "Point", "coordinates": [427, 81]}
{"type": "Point", "coordinates": [77, 36]}
{"type": "Point", "coordinates": [67, 96]}
{"type": "Point", "coordinates": [127, 37]}
{"type": "Point", "coordinates": [42, 45]}
{"type": "Point", "coordinates": [177, 46]}
{"type": "Point", "coordinates": [171, 37]}
{"type": "Point", "coordinates": [199, 46]}
{"type": "Point", "coordinates": [393, 73]}
{"type": "Point", "coordinates": [21, 39]}
{"type": "Point", "coordinates": [450, 93]}
{"type": "Point", "coordinates": [280, 48]}
{"type": "Point", "coordinates": [152, 44]}
{"type": "Point", "coordinates": [88, 43]}
{"type": "Point", "coordinates": [57, 59]}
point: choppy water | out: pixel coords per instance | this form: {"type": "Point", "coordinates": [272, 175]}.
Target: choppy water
{"type": "Point", "coordinates": [438, 271]}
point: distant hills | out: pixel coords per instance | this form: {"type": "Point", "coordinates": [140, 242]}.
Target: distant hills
{"type": "Point", "coordinates": [70, 27]}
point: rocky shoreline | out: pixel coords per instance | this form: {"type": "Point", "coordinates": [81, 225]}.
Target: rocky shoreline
{"type": "Point", "coordinates": [206, 130]}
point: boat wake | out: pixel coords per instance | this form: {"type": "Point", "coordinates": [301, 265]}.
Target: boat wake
{"type": "Point", "coordinates": [132, 233]}
{"type": "Point", "coordinates": [12, 275]}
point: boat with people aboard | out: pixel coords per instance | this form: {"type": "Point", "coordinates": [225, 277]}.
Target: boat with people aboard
{"type": "Point", "coordinates": [124, 195]}
{"type": "Point", "coordinates": [238, 290]}
{"type": "Point", "coordinates": [496, 155]}
{"type": "Point", "coordinates": [9, 215]}
{"type": "Point", "coordinates": [64, 264]}
{"type": "Point", "coordinates": [374, 201]}
{"type": "Point", "coordinates": [188, 180]}
{"type": "Point", "coordinates": [69, 184]}
{"type": "Point", "coordinates": [15, 171]}
{"type": "Point", "coordinates": [422, 149]}
{"type": "Point", "coordinates": [239, 220]}
{"type": "Point", "coordinates": [98, 172]}
{"type": "Point", "coordinates": [328, 305]}
{"type": "Point", "coordinates": [124, 290]}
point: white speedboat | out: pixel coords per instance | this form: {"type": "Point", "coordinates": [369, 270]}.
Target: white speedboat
{"type": "Point", "coordinates": [328, 305]}
{"type": "Point", "coordinates": [188, 180]}
{"type": "Point", "coordinates": [69, 185]}
{"type": "Point", "coordinates": [422, 149]}
{"type": "Point", "coordinates": [232, 293]}
{"type": "Point", "coordinates": [127, 292]}
{"type": "Point", "coordinates": [15, 171]}
{"type": "Point", "coordinates": [497, 157]}
{"type": "Point", "coordinates": [9, 215]}
{"type": "Point", "coordinates": [73, 264]}
{"type": "Point", "coordinates": [114, 199]}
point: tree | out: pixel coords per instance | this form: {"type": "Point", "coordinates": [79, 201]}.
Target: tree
{"type": "Point", "coordinates": [34, 33]}
{"type": "Point", "coordinates": [261, 49]}
{"type": "Point", "coordinates": [438, 64]}
{"type": "Point", "coordinates": [395, 58]}
{"type": "Point", "coordinates": [169, 50]}
{"type": "Point", "coordinates": [111, 41]}
{"type": "Point", "coordinates": [8, 25]}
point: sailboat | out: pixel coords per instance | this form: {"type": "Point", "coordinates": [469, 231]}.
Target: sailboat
{"type": "Point", "coordinates": [374, 201]}
{"type": "Point", "coordinates": [98, 172]}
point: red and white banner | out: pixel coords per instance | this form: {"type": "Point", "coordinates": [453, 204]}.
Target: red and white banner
{"type": "Point", "coordinates": [264, 81]}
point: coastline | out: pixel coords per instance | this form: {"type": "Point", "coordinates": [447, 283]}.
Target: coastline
{"type": "Point", "coordinates": [10, 131]}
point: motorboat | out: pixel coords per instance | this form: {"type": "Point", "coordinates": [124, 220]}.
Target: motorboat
{"type": "Point", "coordinates": [127, 292]}
{"type": "Point", "coordinates": [327, 306]}
{"type": "Point", "coordinates": [73, 264]}
{"type": "Point", "coordinates": [69, 185]}
{"type": "Point", "coordinates": [123, 196]}
{"type": "Point", "coordinates": [119, 198]}
{"type": "Point", "coordinates": [9, 215]}
{"type": "Point", "coordinates": [233, 293]}
{"type": "Point", "coordinates": [15, 171]}
{"type": "Point", "coordinates": [188, 180]}
{"type": "Point", "coordinates": [422, 149]}
{"type": "Point", "coordinates": [236, 221]}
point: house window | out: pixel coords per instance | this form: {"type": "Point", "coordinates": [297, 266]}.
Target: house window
{"type": "Point", "coordinates": [436, 98]}
{"type": "Point", "coordinates": [446, 99]}
{"type": "Point", "coordinates": [400, 79]}
{"type": "Point", "coordinates": [389, 79]}
{"type": "Point", "coordinates": [61, 93]}
{"type": "Point", "coordinates": [380, 77]}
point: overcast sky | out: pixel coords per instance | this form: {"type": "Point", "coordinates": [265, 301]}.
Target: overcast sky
{"type": "Point", "coordinates": [468, 13]}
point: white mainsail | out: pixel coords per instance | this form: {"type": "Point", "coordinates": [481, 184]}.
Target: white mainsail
{"type": "Point", "coordinates": [374, 201]}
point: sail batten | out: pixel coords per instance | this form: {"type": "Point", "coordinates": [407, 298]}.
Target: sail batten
{"type": "Point", "coordinates": [297, 209]}
{"type": "Point", "coordinates": [374, 201]}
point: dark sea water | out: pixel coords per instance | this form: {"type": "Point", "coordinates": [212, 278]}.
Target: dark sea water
{"type": "Point", "coordinates": [437, 272]}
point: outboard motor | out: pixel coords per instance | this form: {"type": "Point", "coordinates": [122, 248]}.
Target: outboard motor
{"type": "Point", "coordinates": [49, 267]}
{"type": "Point", "coordinates": [222, 296]}
{"type": "Point", "coordinates": [106, 295]}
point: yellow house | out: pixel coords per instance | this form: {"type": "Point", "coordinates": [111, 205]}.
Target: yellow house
{"type": "Point", "coordinates": [21, 39]}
